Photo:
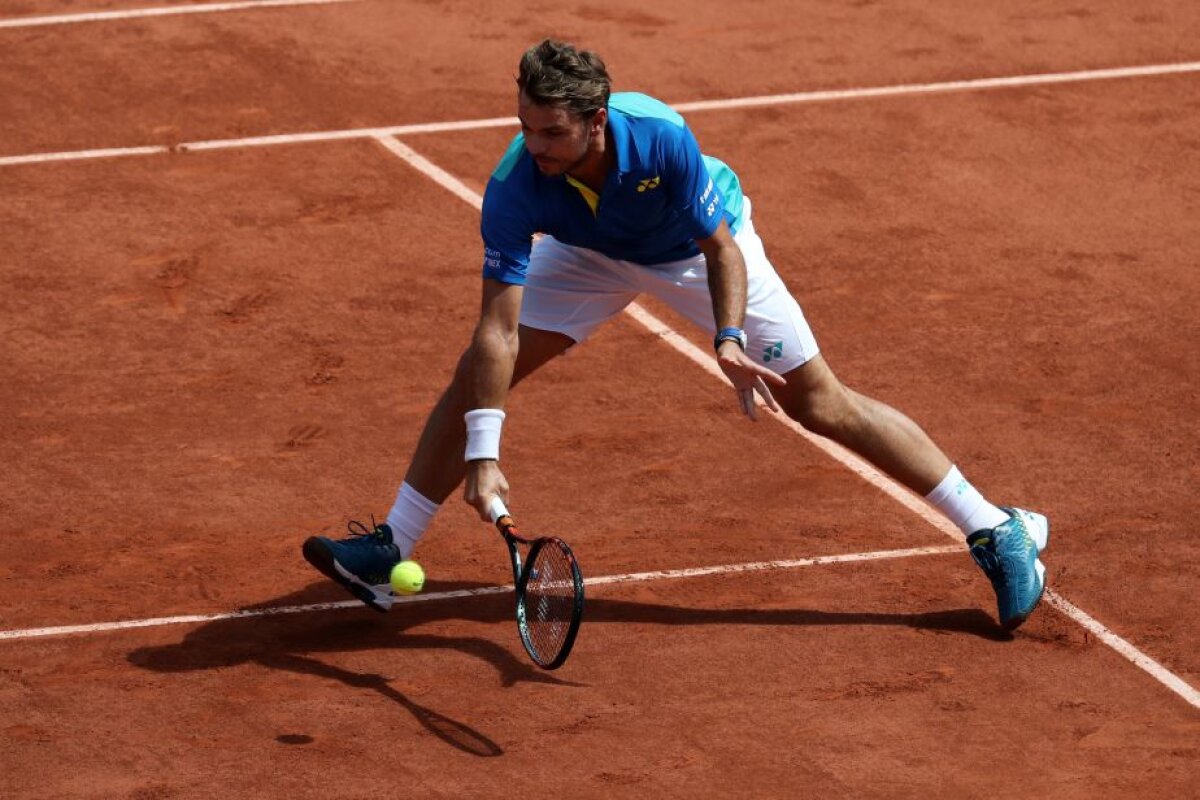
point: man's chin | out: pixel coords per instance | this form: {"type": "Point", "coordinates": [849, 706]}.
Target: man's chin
{"type": "Point", "coordinates": [551, 169]}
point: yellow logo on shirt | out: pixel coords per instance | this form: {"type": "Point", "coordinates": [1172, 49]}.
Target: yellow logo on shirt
{"type": "Point", "coordinates": [649, 184]}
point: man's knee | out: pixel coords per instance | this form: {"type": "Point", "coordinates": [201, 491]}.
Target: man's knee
{"type": "Point", "coordinates": [535, 349]}
{"type": "Point", "coordinates": [818, 401]}
{"type": "Point", "coordinates": [825, 413]}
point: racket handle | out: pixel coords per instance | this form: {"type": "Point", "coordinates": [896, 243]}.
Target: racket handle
{"type": "Point", "coordinates": [497, 509]}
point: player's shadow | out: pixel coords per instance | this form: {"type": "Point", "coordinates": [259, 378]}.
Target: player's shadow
{"type": "Point", "coordinates": [970, 621]}
{"type": "Point", "coordinates": [291, 642]}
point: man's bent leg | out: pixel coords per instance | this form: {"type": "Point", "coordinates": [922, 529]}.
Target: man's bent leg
{"type": "Point", "coordinates": [362, 563]}
{"type": "Point", "coordinates": [437, 466]}
{"type": "Point", "coordinates": [570, 291]}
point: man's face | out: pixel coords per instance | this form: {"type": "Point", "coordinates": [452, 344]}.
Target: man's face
{"type": "Point", "coordinates": [557, 139]}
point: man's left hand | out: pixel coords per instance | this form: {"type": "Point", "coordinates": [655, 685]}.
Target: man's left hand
{"type": "Point", "coordinates": [748, 378]}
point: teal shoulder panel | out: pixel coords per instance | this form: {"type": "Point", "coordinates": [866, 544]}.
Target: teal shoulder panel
{"type": "Point", "coordinates": [510, 158]}
{"type": "Point", "coordinates": [636, 104]}
{"type": "Point", "coordinates": [729, 186]}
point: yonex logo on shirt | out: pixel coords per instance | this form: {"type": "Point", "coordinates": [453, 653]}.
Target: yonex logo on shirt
{"type": "Point", "coordinates": [491, 258]}
{"type": "Point", "coordinates": [649, 183]}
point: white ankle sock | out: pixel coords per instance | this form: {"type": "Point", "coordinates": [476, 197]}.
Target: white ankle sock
{"type": "Point", "coordinates": [410, 516]}
{"type": "Point", "coordinates": [964, 505]}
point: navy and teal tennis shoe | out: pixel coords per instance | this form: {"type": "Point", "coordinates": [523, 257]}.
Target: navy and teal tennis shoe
{"type": "Point", "coordinates": [1008, 555]}
{"type": "Point", "coordinates": [362, 563]}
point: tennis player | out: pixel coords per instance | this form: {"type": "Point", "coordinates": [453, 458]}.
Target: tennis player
{"type": "Point", "coordinates": [602, 197]}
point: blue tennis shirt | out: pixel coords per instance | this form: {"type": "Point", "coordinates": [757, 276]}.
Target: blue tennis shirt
{"type": "Point", "coordinates": [661, 196]}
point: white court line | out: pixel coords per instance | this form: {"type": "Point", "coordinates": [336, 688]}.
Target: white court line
{"type": "Point", "coordinates": [424, 165]}
{"type": "Point", "coordinates": [702, 105]}
{"type": "Point", "coordinates": [604, 580]}
{"type": "Point", "coordinates": [976, 84]}
{"type": "Point", "coordinates": [852, 462]}
{"type": "Point", "coordinates": [162, 11]}
{"type": "Point", "coordinates": [1161, 673]}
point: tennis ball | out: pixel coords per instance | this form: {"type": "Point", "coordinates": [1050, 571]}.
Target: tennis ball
{"type": "Point", "coordinates": [407, 577]}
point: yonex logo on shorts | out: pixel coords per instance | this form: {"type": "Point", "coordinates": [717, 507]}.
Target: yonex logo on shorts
{"type": "Point", "coordinates": [772, 351]}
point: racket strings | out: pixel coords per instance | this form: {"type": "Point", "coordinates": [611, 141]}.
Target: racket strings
{"type": "Point", "coordinates": [550, 600]}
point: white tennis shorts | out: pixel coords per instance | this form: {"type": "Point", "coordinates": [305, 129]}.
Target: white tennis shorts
{"type": "Point", "coordinates": [573, 290]}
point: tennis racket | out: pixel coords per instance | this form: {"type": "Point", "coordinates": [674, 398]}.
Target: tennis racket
{"type": "Point", "coordinates": [549, 591]}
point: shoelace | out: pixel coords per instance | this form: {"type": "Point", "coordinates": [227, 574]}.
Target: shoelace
{"type": "Point", "coordinates": [356, 528]}
{"type": "Point", "coordinates": [377, 545]}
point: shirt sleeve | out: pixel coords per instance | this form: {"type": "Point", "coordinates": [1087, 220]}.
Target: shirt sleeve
{"type": "Point", "coordinates": [507, 229]}
{"type": "Point", "coordinates": [693, 193]}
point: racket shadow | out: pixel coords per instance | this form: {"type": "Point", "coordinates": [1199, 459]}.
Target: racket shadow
{"type": "Point", "coordinates": [457, 734]}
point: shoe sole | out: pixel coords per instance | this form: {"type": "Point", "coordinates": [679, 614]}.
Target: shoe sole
{"type": "Point", "coordinates": [1041, 538]}
{"type": "Point", "coordinates": [317, 554]}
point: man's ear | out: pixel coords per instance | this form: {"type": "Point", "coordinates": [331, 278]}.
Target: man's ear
{"type": "Point", "coordinates": [598, 121]}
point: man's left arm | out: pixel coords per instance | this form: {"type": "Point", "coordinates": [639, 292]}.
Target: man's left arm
{"type": "Point", "coordinates": [727, 285]}
{"type": "Point", "coordinates": [697, 198]}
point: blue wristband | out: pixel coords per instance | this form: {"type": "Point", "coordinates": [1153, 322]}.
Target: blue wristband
{"type": "Point", "coordinates": [730, 335]}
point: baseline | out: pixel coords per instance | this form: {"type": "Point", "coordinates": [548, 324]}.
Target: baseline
{"type": "Point", "coordinates": [160, 11]}
{"type": "Point", "coordinates": [978, 84]}
{"type": "Point", "coordinates": [851, 461]}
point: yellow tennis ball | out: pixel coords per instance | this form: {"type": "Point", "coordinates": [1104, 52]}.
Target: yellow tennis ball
{"type": "Point", "coordinates": [407, 578]}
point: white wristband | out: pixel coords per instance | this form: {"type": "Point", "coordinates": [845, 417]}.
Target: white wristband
{"type": "Point", "coordinates": [483, 433]}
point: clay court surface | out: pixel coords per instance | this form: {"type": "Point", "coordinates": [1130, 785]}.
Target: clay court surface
{"type": "Point", "coordinates": [211, 354]}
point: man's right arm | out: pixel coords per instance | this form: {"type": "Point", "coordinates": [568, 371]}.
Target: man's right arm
{"type": "Point", "coordinates": [507, 227]}
{"type": "Point", "coordinates": [493, 357]}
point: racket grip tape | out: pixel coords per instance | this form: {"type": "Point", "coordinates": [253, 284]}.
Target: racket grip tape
{"type": "Point", "coordinates": [498, 510]}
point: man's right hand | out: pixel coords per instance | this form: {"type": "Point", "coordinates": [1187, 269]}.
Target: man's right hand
{"type": "Point", "coordinates": [484, 480]}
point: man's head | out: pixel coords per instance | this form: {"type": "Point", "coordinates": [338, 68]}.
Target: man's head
{"type": "Point", "coordinates": [562, 103]}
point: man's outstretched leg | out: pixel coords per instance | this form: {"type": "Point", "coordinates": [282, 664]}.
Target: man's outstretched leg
{"type": "Point", "coordinates": [362, 563]}
{"type": "Point", "coordinates": [1005, 542]}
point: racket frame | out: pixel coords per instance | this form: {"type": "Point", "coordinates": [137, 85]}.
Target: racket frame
{"type": "Point", "coordinates": [521, 574]}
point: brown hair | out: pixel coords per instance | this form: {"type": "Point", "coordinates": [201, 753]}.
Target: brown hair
{"type": "Point", "coordinates": [556, 74]}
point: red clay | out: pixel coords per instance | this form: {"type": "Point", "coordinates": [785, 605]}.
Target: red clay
{"type": "Point", "coordinates": [211, 356]}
